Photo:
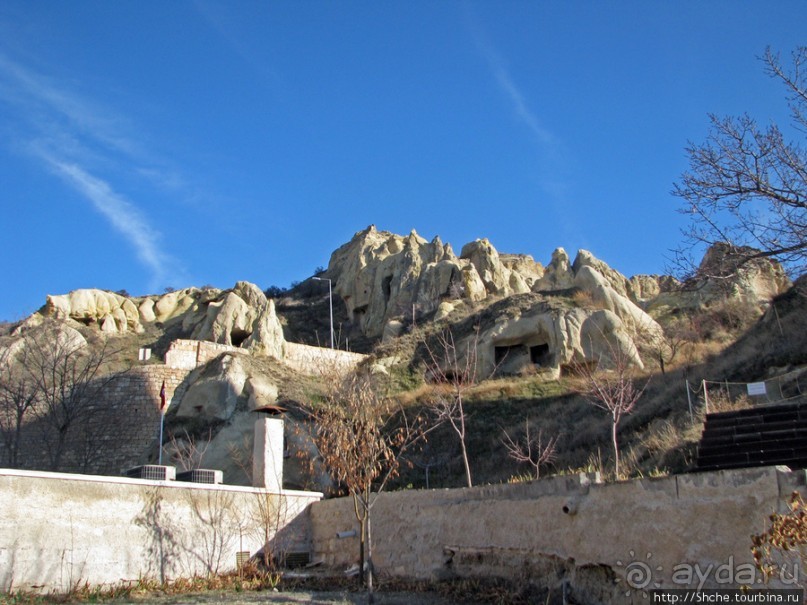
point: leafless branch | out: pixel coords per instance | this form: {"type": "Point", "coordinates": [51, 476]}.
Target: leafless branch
{"type": "Point", "coordinates": [533, 449]}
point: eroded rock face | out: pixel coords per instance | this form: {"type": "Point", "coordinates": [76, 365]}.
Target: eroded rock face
{"type": "Point", "coordinates": [380, 275]}
{"type": "Point", "coordinates": [60, 336]}
{"type": "Point", "coordinates": [242, 316]}
{"type": "Point", "coordinates": [754, 283]}
{"type": "Point", "coordinates": [548, 338]}
{"type": "Point", "coordinates": [226, 392]}
{"type": "Point", "coordinates": [111, 312]}
{"type": "Point", "coordinates": [215, 395]}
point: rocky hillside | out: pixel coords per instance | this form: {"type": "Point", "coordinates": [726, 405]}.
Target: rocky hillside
{"type": "Point", "coordinates": [527, 324]}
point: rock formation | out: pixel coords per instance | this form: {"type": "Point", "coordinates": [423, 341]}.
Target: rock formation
{"type": "Point", "coordinates": [242, 316]}
{"type": "Point", "coordinates": [546, 337]}
{"type": "Point", "coordinates": [515, 314]}
{"type": "Point", "coordinates": [381, 276]}
{"type": "Point", "coordinates": [754, 283]}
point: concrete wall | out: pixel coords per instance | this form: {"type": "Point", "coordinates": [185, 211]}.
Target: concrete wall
{"type": "Point", "coordinates": [57, 530]}
{"type": "Point", "coordinates": [521, 531]}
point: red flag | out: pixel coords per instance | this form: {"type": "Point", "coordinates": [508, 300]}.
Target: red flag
{"type": "Point", "coordinates": [162, 397]}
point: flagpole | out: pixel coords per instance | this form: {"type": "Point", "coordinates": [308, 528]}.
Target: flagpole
{"type": "Point", "coordinates": [160, 445]}
{"type": "Point", "coordinates": [162, 423]}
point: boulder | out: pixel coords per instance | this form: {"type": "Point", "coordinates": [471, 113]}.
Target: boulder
{"type": "Point", "coordinates": [443, 311]}
{"type": "Point", "coordinates": [173, 304]}
{"type": "Point", "coordinates": [146, 310]}
{"type": "Point", "coordinates": [214, 396]}
{"type": "Point", "coordinates": [260, 392]}
{"type": "Point", "coordinates": [392, 330]}
{"type": "Point", "coordinates": [485, 259]}
{"type": "Point", "coordinates": [632, 317]}
{"type": "Point", "coordinates": [618, 282]}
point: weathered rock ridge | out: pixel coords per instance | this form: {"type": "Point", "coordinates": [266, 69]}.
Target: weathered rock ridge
{"type": "Point", "coordinates": [241, 316]}
{"type": "Point", "coordinates": [386, 279]}
{"type": "Point", "coordinates": [381, 276]}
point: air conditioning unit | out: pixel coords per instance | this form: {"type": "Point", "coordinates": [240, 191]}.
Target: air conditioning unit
{"type": "Point", "coordinates": [152, 472]}
{"type": "Point", "coordinates": [202, 475]}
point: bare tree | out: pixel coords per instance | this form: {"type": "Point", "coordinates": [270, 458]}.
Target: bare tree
{"type": "Point", "coordinates": [746, 186]}
{"type": "Point", "coordinates": [454, 369]}
{"type": "Point", "coordinates": [188, 451]}
{"type": "Point", "coordinates": [71, 390]}
{"type": "Point", "coordinates": [612, 390]}
{"type": "Point", "coordinates": [361, 434]}
{"type": "Point", "coordinates": [17, 398]}
{"type": "Point", "coordinates": [532, 449]}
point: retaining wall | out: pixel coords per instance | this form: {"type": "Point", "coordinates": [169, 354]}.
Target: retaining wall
{"type": "Point", "coordinates": [57, 530]}
{"type": "Point", "coordinates": [313, 360]}
{"type": "Point", "coordinates": [117, 431]}
{"type": "Point", "coordinates": [655, 526]}
{"type": "Point", "coordinates": [189, 354]}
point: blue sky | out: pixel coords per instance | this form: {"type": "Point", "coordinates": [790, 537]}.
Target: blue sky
{"type": "Point", "coordinates": [154, 144]}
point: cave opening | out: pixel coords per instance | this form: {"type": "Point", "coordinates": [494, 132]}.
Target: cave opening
{"type": "Point", "coordinates": [539, 355]}
{"type": "Point", "coordinates": [237, 336]}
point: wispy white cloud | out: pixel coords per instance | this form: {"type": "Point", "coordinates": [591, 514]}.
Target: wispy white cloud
{"type": "Point", "coordinates": [122, 214]}
{"type": "Point", "coordinates": [79, 140]}
{"type": "Point", "coordinates": [51, 105]}
{"type": "Point", "coordinates": [507, 85]}
{"type": "Point", "coordinates": [553, 159]}
{"type": "Point", "coordinates": [514, 94]}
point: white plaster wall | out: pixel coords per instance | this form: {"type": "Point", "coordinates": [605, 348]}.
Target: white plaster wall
{"type": "Point", "coordinates": [57, 530]}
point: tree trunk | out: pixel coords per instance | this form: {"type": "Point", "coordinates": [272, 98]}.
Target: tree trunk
{"type": "Point", "coordinates": [465, 462]}
{"type": "Point", "coordinates": [368, 573]}
{"type": "Point", "coordinates": [362, 555]}
{"type": "Point", "coordinates": [616, 450]}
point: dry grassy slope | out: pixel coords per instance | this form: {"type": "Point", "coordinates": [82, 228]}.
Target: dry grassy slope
{"type": "Point", "coordinates": [658, 437]}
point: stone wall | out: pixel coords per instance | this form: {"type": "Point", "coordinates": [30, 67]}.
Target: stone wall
{"type": "Point", "coordinates": [313, 360]}
{"type": "Point", "coordinates": [189, 354]}
{"type": "Point", "coordinates": [565, 530]}
{"type": "Point", "coordinates": [57, 530]}
{"type": "Point", "coordinates": [121, 429]}
{"type": "Point", "coordinates": [117, 431]}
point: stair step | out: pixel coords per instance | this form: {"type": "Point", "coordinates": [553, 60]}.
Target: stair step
{"type": "Point", "coordinates": [763, 446]}
{"type": "Point", "coordinates": [760, 436]}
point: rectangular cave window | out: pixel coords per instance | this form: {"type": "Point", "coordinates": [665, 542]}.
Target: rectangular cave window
{"type": "Point", "coordinates": [539, 355]}
{"type": "Point", "coordinates": [502, 353]}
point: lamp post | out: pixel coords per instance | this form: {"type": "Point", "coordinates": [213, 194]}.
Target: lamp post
{"type": "Point", "coordinates": [330, 301]}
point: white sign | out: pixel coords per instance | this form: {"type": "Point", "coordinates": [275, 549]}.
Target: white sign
{"type": "Point", "coordinates": [145, 354]}
{"type": "Point", "coordinates": [757, 388]}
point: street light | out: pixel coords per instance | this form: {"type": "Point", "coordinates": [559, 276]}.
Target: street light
{"type": "Point", "coordinates": [330, 301]}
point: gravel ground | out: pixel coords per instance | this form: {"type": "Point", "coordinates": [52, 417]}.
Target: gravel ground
{"type": "Point", "coordinates": [288, 598]}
